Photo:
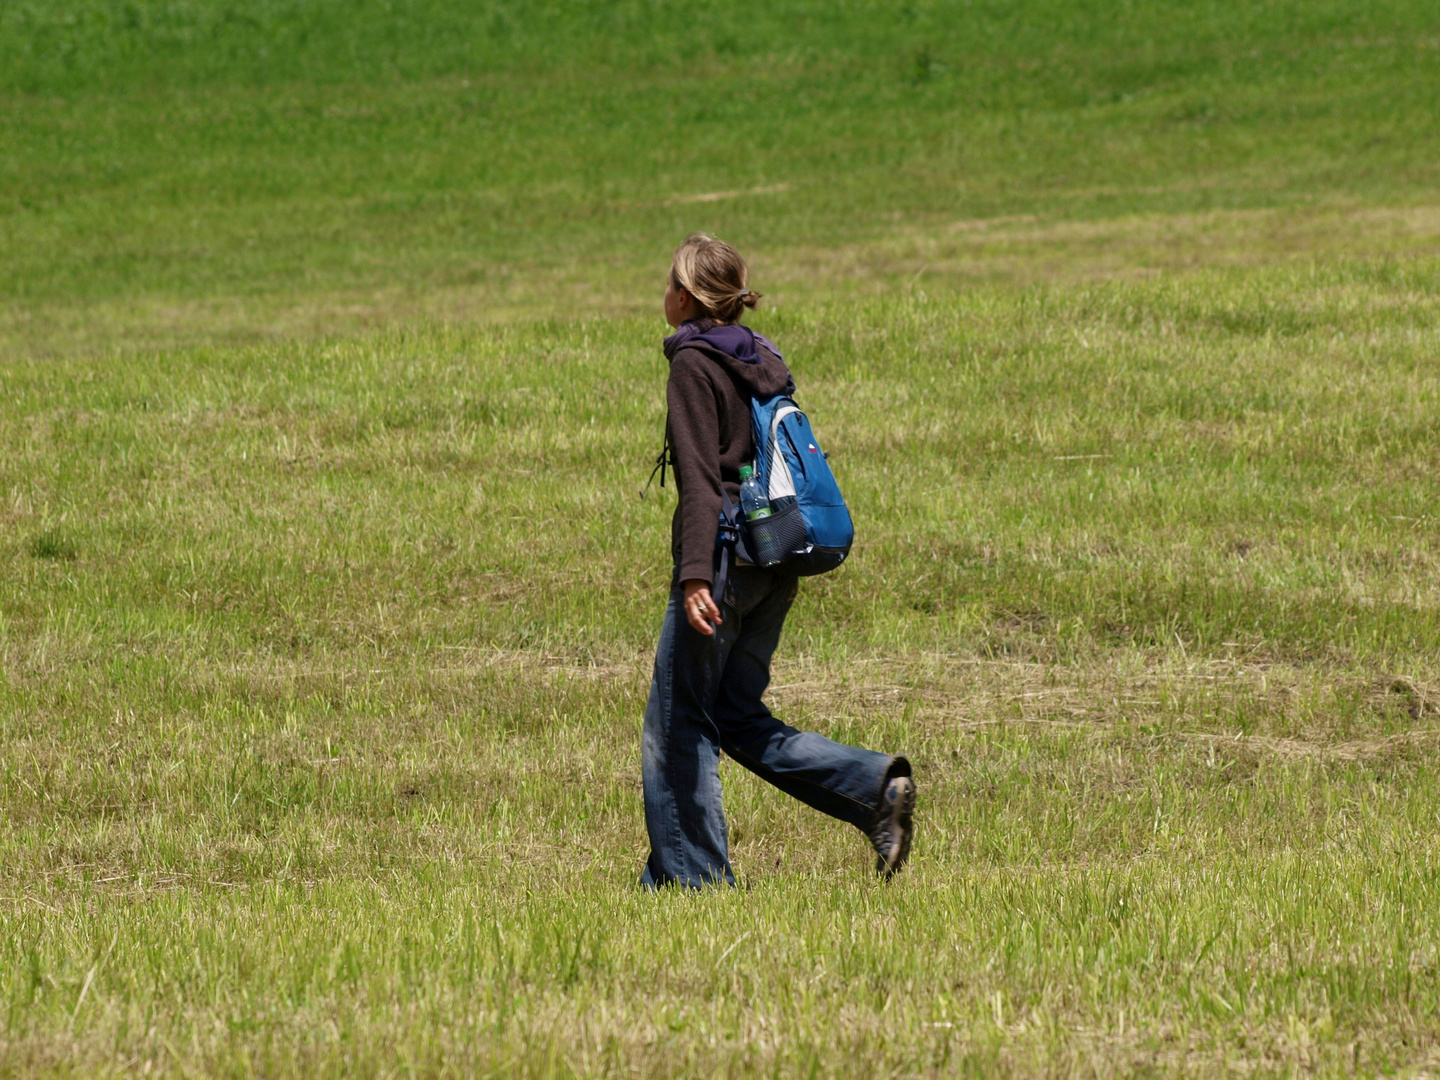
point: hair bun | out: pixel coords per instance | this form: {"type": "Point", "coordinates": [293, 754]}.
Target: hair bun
{"type": "Point", "coordinates": [715, 275]}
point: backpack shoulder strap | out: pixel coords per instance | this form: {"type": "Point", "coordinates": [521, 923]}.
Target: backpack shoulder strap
{"type": "Point", "coordinates": [731, 542]}
{"type": "Point", "coordinates": [727, 540]}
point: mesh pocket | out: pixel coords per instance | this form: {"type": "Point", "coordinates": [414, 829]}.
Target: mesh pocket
{"type": "Point", "coordinates": [773, 539]}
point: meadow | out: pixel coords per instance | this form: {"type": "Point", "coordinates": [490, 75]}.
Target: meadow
{"type": "Point", "coordinates": [329, 380]}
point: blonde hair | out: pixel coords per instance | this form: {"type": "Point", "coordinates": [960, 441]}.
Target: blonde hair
{"type": "Point", "coordinates": [715, 275]}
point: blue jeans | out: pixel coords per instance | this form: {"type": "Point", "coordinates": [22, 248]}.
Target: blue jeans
{"type": "Point", "coordinates": [706, 697]}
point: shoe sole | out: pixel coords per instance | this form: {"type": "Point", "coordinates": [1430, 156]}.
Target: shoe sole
{"type": "Point", "coordinates": [901, 813]}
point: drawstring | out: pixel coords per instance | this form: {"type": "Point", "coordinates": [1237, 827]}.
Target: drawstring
{"type": "Point", "coordinates": [661, 462]}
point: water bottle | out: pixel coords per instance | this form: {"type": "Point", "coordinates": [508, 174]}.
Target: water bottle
{"type": "Point", "coordinates": [754, 503]}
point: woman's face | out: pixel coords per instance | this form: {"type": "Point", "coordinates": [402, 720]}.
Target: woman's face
{"type": "Point", "coordinates": [679, 304]}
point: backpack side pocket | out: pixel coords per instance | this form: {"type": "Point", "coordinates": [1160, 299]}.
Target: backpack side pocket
{"type": "Point", "coordinates": [774, 539]}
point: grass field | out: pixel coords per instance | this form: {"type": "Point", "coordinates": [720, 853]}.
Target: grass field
{"type": "Point", "coordinates": [330, 375]}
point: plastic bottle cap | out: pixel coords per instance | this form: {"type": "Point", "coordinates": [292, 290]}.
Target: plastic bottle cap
{"type": "Point", "coordinates": [746, 472]}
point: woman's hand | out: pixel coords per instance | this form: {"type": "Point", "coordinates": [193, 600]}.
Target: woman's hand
{"type": "Point", "coordinates": [700, 609]}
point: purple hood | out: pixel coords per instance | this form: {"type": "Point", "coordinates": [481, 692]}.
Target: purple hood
{"type": "Point", "coordinates": [733, 339]}
{"type": "Point", "coordinates": [736, 349]}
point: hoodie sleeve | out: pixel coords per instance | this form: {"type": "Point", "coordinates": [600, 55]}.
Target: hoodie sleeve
{"type": "Point", "coordinates": [695, 443]}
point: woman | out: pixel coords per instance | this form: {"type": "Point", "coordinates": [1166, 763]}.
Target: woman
{"type": "Point", "coordinates": [713, 661]}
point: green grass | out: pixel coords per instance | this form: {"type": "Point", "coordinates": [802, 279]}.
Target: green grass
{"type": "Point", "coordinates": [330, 378]}
{"type": "Point", "coordinates": [191, 170]}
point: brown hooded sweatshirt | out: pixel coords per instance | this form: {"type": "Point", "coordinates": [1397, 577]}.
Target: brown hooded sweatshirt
{"type": "Point", "coordinates": [710, 437]}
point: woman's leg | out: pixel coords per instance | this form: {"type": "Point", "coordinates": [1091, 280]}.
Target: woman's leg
{"type": "Point", "coordinates": [680, 756]}
{"type": "Point", "coordinates": [843, 781]}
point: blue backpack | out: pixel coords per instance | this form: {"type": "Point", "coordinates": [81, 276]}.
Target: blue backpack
{"type": "Point", "coordinates": [809, 530]}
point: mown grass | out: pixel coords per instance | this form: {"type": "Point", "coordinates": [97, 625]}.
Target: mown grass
{"type": "Point", "coordinates": [324, 663]}
{"type": "Point", "coordinates": [330, 379]}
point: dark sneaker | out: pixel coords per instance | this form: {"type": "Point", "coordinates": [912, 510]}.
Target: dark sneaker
{"type": "Point", "coordinates": [891, 830]}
